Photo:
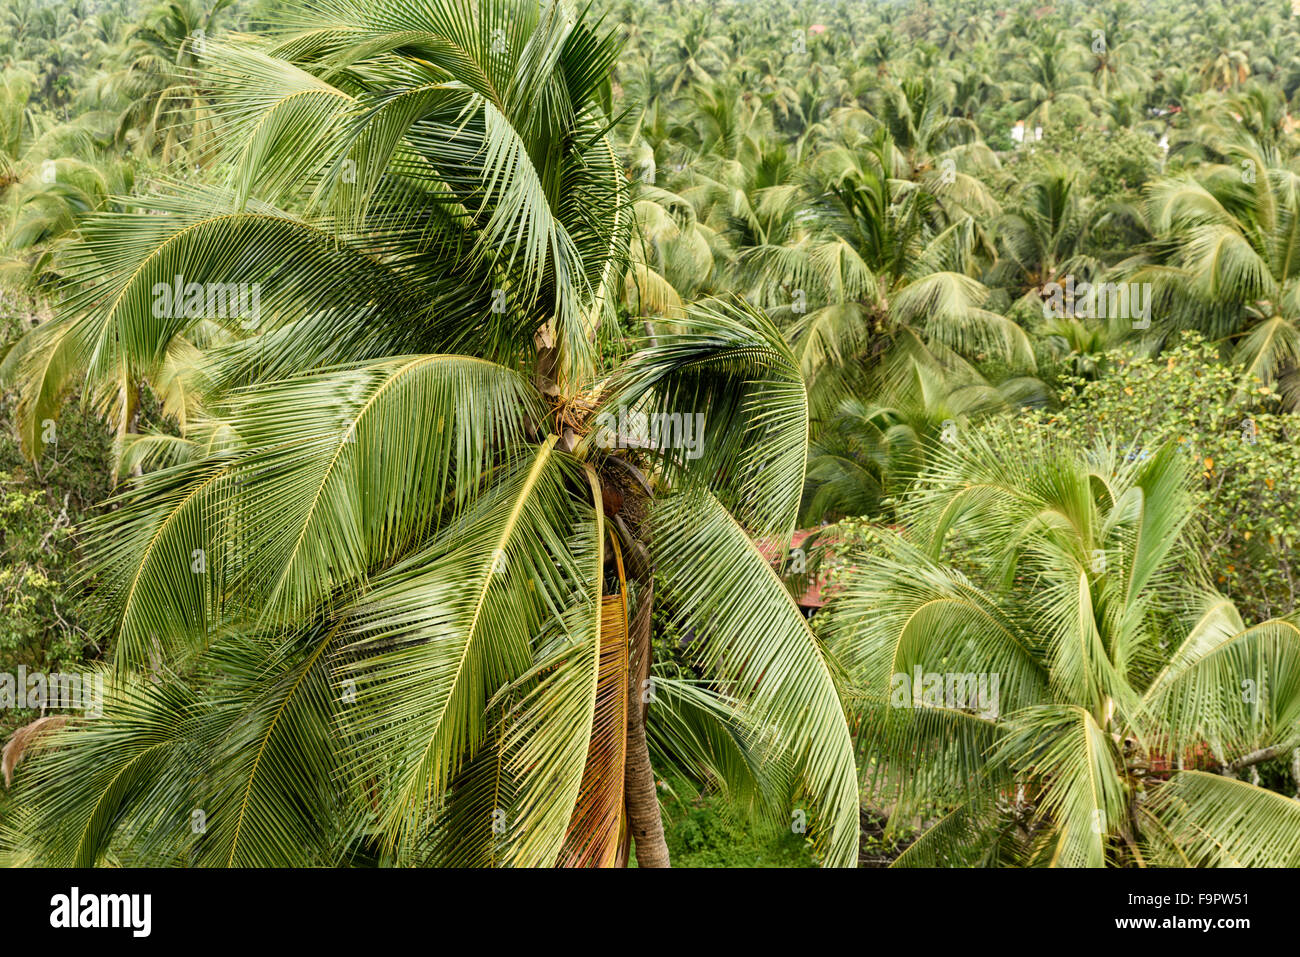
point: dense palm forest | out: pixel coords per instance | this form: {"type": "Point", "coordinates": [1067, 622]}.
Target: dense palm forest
{"type": "Point", "coordinates": [516, 433]}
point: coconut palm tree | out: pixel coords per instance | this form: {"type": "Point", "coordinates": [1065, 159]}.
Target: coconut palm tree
{"type": "Point", "coordinates": [1038, 656]}
{"type": "Point", "coordinates": [1223, 260]}
{"type": "Point", "coordinates": [1226, 68]}
{"type": "Point", "coordinates": [393, 603]}
{"type": "Point", "coordinates": [881, 263]}
{"type": "Point", "coordinates": [1052, 74]}
{"type": "Point", "coordinates": [869, 452]}
{"type": "Point", "coordinates": [673, 256]}
{"type": "Point", "coordinates": [1044, 232]}
{"type": "Point", "coordinates": [157, 83]}
{"type": "Point", "coordinates": [52, 175]}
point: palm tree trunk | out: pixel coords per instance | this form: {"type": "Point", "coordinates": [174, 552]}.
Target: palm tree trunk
{"type": "Point", "coordinates": [644, 819]}
{"type": "Point", "coordinates": [130, 422]}
{"type": "Point", "coordinates": [548, 361]}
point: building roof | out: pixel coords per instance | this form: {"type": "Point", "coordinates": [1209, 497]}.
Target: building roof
{"type": "Point", "coordinates": [812, 598]}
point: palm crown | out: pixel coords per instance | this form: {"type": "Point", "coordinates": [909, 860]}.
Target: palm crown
{"type": "Point", "coordinates": [389, 599]}
{"type": "Point", "coordinates": [1039, 654]}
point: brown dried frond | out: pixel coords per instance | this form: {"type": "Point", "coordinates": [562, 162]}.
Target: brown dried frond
{"type": "Point", "coordinates": [24, 738]}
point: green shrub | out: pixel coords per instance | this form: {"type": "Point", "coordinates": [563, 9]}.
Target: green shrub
{"type": "Point", "coordinates": [1245, 452]}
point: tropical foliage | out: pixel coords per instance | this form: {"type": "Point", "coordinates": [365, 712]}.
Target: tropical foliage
{"type": "Point", "coordinates": [1045, 635]}
{"type": "Point", "coordinates": [428, 416]}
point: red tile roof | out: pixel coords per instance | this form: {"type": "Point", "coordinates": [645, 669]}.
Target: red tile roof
{"type": "Point", "coordinates": [811, 599]}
